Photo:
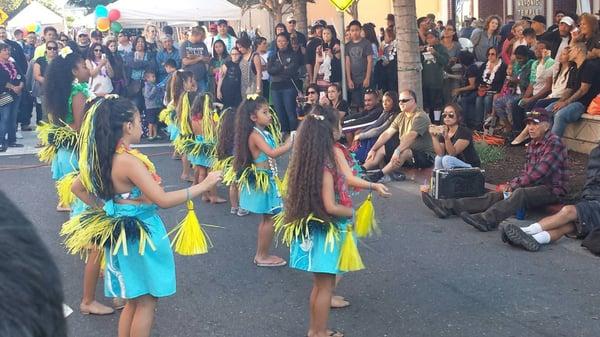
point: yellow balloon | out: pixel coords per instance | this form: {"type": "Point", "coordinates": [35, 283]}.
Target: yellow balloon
{"type": "Point", "coordinates": [103, 24]}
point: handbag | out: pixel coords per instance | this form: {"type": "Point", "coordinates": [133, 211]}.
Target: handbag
{"type": "Point", "coordinates": [6, 98]}
{"type": "Point", "coordinates": [482, 90]}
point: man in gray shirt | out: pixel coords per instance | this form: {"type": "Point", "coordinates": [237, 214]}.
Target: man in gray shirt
{"type": "Point", "coordinates": [359, 64]}
{"type": "Point", "coordinates": [195, 57]}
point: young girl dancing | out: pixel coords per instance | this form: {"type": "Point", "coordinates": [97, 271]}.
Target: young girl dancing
{"type": "Point", "coordinates": [123, 190]}
{"type": "Point", "coordinates": [317, 222]}
{"type": "Point", "coordinates": [224, 156]}
{"type": "Point", "coordinates": [256, 169]}
{"type": "Point", "coordinates": [176, 87]}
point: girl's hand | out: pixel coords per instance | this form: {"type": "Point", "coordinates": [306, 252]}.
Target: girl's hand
{"type": "Point", "coordinates": [219, 94]}
{"type": "Point", "coordinates": [382, 190]}
{"type": "Point", "coordinates": [213, 178]}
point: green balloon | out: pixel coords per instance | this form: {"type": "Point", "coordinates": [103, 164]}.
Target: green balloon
{"type": "Point", "coordinates": [116, 27]}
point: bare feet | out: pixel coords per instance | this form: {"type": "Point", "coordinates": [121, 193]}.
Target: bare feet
{"type": "Point", "coordinates": [95, 308]}
{"type": "Point", "coordinates": [270, 261]}
{"type": "Point", "coordinates": [338, 302]}
{"type": "Point", "coordinates": [217, 200]}
{"type": "Point", "coordinates": [118, 303]}
{"type": "Point", "coordinates": [62, 208]}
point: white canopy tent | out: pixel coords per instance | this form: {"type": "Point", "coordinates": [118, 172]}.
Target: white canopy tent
{"type": "Point", "coordinates": [36, 12]}
{"type": "Point", "coordinates": [136, 13]}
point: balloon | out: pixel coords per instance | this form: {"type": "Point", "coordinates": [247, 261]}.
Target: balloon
{"type": "Point", "coordinates": [30, 27]}
{"type": "Point", "coordinates": [114, 15]}
{"type": "Point", "coordinates": [38, 28]}
{"type": "Point", "coordinates": [116, 27]}
{"type": "Point", "coordinates": [103, 24]}
{"type": "Point", "coordinates": [101, 11]}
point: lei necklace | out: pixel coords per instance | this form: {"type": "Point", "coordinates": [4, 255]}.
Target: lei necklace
{"type": "Point", "coordinates": [10, 69]}
{"type": "Point", "coordinates": [121, 148]}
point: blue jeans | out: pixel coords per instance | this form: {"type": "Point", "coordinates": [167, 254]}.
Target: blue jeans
{"type": "Point", "coordinates": [483, 106]}
{"type": "Point", "coordinates": [284, 101]}
{"type": "Point", "coordinates": [568, 114]}
{"type": "Point", "coordinates": [8, 122]}
{"type": "Point", "coordinates": [202, 86]}
{"type": "Point", "coordinates": [449, 162]}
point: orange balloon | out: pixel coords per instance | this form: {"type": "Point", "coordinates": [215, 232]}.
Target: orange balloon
{"type": "Point", "coordinates": [103, 24]}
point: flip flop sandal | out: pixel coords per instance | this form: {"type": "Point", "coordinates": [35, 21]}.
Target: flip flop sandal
{"type": "Point", "coordinates": [270, 265]}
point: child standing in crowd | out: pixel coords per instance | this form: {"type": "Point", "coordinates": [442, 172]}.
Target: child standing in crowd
{"type": "Point", "coordinates": [182, 82]}
{"type": "Point", "coordinates": [229, 87]}
{"type": "Point", "coordinates": [121, 183]}
{"type": "Point", "coordinates": [359, 64]}
{"type": "Point", "coordinates": [224, 151]}
{"type": "Point", "coordinates": [152, 99]}
{"type": "Point", "coordinates": [170, 69]}
{"type": "Point", "coordinates": [318, 214]}
{"type": "Point", "coordinates": [254, 163]}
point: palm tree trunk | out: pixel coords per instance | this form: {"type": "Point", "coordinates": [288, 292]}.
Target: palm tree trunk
{"type": "Point", "coordinates": [409, 58]}
{"type": "Point", "coordinates": [299, 7]}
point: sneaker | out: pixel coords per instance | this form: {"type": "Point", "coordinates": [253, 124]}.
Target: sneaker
{"type": "Point", "coordinates": [477, 221]}
{"type": "Point", "coordinates": [518, 237]}
{"type": "Point", "coordinates": [434, 205]}
{"type": "Point", "coordinates": [19, 135]}
{"type": "Point", "coordinates": [242, 212]}
{"type": "Point", "coordinates": [233, 210]}
{"type": "Point", "coordinates": [374, 176]}
{"type": "Point", "coordinates": [398, 176]}
{"type": "Point", "coordinates": [151, 139]}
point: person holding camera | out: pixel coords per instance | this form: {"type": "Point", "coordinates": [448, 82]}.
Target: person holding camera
{"type": "Point", "coordinates": [452, 142]}
{"type": "Point", "coordinates": [308, 101]}
{"type": "Point", "coordinates": [101, 71]}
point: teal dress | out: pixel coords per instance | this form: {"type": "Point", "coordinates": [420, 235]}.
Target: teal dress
{"type": "Point", "coordinates": [255, 200]}
{"type": "Point", "coordinates": [172, 128]}
{"type": "Point", "coordinates": [133, 275]}
{"type": "Point", "coordinates": [64, 162]}
{"type": "Point", "coordinates": [203, 159]}
{"type": "Point", "coordinates": [313, 255]}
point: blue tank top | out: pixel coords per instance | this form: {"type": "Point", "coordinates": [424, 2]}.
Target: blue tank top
{"type": "Point", "coordinates": [262, 157]}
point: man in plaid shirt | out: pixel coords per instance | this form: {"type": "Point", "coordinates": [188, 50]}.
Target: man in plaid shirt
{"type": "Point", "coordinates": [541, 182]}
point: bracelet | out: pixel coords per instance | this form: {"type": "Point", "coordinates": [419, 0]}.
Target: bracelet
{"type": "Point", "coordinates": [187, 192]}
{"type": "Point", "coordinates": [370, 186]}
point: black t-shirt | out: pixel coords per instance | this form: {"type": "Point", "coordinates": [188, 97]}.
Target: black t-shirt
{"type": "Point", "coordinates": [469, 155]}
{"type": "Point", "coordinates": [343, 106]}
{"type": "Point", "coordinates": [471, 71]}
{"type": "Point", "coordinates": [311, 50]}
{"type": "Point", "coordinates": [587, 73]}
{"type": "Point", "coordinates": [43, 65]}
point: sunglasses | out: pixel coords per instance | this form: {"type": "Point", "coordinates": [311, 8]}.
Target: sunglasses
{"type": "Point", "coordinates": [449, 115]}
{"type": "Point", "coordinates": [51, 48]}
{"type": "Point", "coordinates": [64, 40]}
{"type": "Point", "coordinates": [97, 50]}
{"type": "Point", "coordinates": [311, 92]}
{"type": "Point", "coordinates": [405, 100]}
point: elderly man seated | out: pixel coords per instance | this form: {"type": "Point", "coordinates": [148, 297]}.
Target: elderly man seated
{"type": "Point", "coordinates": [411, 147]}
{"type": "Point", "coordinates": [357, 121]}
{"type": "Point", "coordinates": [541, 182]}
{"type": "Point", "coordinates": [582, 218]}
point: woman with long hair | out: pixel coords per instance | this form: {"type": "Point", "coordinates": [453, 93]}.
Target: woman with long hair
{"type": "Point", "coordinates": [250, 67]}
{"type": "Point", "coordinates": [122, 188]}
{"type": "Point", "coordinates": [229, 90]}
{"type": "Point", "coordinates": [589, 33]}
{"type": "Point", "coordinates": [328, 64]}
{"type": "Point", "coordinates": [335, 100]}
{"type": "Point", "coordinates": [11, 85]}
{"type": "Point", "coordinates": [219, 57]}
{"type": "Point", "coordinates": [150, 35]}
{"type": "Point", "coordinates": [516, 38]}
{"type": "Point", "coordinates": [489, 83]}
{"type": "Point", "coordinates": [486, 37]}
{"type": "Point", "coordinates": [119, 78]}
{"type": "Point", "coordinates": [39, 76]}
{"type": "Point", "coordinates": [138, 62]}
{"type": "Point", "coordinates": [101, 71]}
{"type": "Point", "coordinates": [256, 147]}
{"type": "Point", "coordinates": [449, 39]}
{"type": "Point", "coordinates": [263, 52]}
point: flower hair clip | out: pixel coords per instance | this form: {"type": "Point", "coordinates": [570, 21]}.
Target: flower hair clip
{"type": "Point", "coordinates": [317, 117]}
{"type": "Point", "coordinates": [65, 51]}
{"type": "Point", "coordinates": [252, 97]}
{"type": "Point", "coordinates": [111, 96]}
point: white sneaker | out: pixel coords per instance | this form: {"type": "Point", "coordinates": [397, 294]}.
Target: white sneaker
{"type": "Point", "coordinates": [19, 135]}
{"type": "Point", "coordinates": [233, 210]}
{"type": "Point", "coordinates": [242, 212]}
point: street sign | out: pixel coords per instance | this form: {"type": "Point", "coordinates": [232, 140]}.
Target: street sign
{"type": "Point", "coordinates": [3, 16]}
{"type": "Point", "coordinates": [342, 5]}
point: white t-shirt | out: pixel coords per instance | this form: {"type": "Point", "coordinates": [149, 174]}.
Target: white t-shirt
{"type": "Point", "coordinates": [542, 73]}
{"type": "Point", "coordinates": [564, 41]}
{"type": "Point", "coordinates": [263, 60]}
{"type": "Point", "coordinates": [560, 84]}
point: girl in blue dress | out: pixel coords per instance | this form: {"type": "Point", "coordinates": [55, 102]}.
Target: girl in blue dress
{"type": "Point", "coordinates": [256, 171]}
{"type": "Point", "coordinates": [123, 190]}
{"type": "Point", "coordinates": [317, 221]}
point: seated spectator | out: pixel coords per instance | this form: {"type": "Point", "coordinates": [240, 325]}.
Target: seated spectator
{"type": "Point", "coordinates": [356, 121]}
{"type": "Point", "coordinates": [531, 40]}
{"type": "Point", "coordinates": [541, 182]}
{"type": "Point", "coordinates": [364, 140]}
{"type": "Point", "coordinates": [489, 82]}
{"type": "Point", "coordinates": [467, 92]}
{"type": "Point", "coordinates": [583, 87]}
{"type": "Point", "coordinates": [452, 142]}
{"type": "Point", "coordinates": [505, 104]}
{"type": "Point", "coordinates": [414, 149]}
{"type": "Point", "coordinates": [589, 33]}
{"type": "Point", "coordinates": [306, 103]}
{"type": "Point", "coordinates": [582, 218]}
{"type": "Point", "coordinates": [434, 57]}
{"type": "Point", "coordinates": [334, 98]}
{"type": "Point", "coordinates": [561, 36]}
{"type": "Point", "coordinates": [518, 39]}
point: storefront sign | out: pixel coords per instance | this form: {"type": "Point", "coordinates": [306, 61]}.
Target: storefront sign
{"type": "Point", "coordinates": [529, 8]}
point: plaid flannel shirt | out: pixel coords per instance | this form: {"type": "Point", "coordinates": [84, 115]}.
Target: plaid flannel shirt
{"type": "Point", "coordinates": [546, 165]}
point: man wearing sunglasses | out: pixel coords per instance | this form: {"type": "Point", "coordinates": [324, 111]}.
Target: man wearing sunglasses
{"type": "Point", "coordinates": [415, 148]}
{"type": "Point", "coordinates": [540, 183]}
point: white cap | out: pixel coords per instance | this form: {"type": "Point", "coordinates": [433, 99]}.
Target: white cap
{"type": "Point", "coordinates": [83, 32]}
{"type": "Point", "coordinates": [290, 18]}
{"type": "Point", "coordinates": [568, 20]}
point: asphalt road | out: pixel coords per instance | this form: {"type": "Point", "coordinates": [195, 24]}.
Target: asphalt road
{"type": "Point", "coordinates": [424, 277]}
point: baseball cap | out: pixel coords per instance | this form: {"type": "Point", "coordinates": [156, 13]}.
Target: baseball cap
{"type": "Point", "coordinates": [82, 32]}
{"type": "Point", "coordinates": [290, 18]}
{"type": "Point", "coordinates": [432, 32]}
{"type": "Point", "coordinates": [567, 20]}
{"type": "Point", "coordinates": [540, 19]}
{"type": "Point", "coordinates": [538, 115]}
{"type": "Point", "coordinates": [320, 23]}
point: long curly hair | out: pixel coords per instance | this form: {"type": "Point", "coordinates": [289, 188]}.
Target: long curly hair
{"type": "Point", "coordinates": [109, 118]}
{"type": "Point", "coordinates": [57, 85]}
{"type": "Point", "coordinates": [313, 151]}
{"type": "Point", "coordinates": [226, 134]}
{"type": "Point", "coordinates": [175, 86]}
{"type": "Point", "coordinates": [243, 128]}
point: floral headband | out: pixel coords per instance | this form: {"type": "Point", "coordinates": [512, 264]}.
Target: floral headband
{"type": "Point", "coordinates": [65, 51]}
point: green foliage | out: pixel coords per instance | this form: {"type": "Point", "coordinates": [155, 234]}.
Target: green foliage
{"type": "Point", "coordinates": [489, 153]}
{"type": "Point", "coordinates": [11, 6]}
{"type": "Point", "coordinates": [89, 4]}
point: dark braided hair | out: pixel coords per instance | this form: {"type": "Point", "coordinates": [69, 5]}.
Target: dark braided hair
{"type": "Point", "coordinates": [243, 129]}
{"type": "Point", "coordinates": [57, 85]}
{"type": "Point", "coordinates": [109, 118]}
{"type": "Point", "coordinates": [313, 151]}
